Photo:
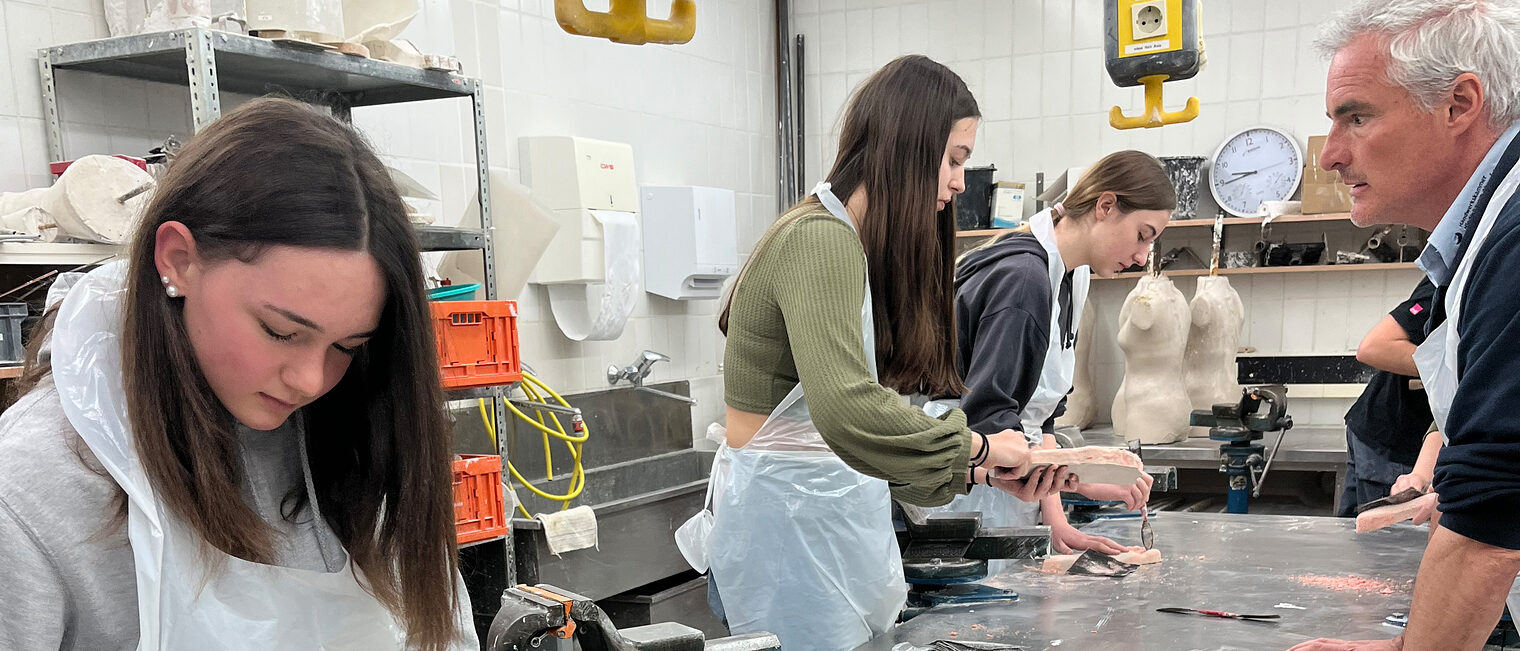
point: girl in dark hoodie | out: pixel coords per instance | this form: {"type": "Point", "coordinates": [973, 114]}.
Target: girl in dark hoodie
{"type": "Point", "coordinates": [1018, 300]}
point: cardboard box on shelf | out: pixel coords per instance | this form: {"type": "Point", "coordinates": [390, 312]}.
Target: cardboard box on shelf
{"type": "Point", "coordinates": [1323, 190]}
{"type": "Point", "coordinates": [1010, 209]}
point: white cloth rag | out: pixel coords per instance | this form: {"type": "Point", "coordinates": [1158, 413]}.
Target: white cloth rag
{"type": "Point", "coordinates": [569, 530]}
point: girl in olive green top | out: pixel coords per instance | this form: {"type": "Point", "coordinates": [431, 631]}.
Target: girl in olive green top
{"type": "Point", "coordinates": [844, 306]}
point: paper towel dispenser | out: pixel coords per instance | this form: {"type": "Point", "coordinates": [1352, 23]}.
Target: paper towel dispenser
{"type": "Point", "coordinates": [690, 244]}
{"type": "Point", "coordinates": [574, 176]}
{"type": "Point", "coordinates": [592, 265]}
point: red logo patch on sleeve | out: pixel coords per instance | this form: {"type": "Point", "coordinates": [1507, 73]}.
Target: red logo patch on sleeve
{"type": "Point", "coordinates": [1416, 309]}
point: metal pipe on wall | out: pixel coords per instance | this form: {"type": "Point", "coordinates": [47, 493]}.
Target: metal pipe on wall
{"type": "Point", "coordinates": [799, 153]}
{"type": "Point", "coordinates": [786, 176]}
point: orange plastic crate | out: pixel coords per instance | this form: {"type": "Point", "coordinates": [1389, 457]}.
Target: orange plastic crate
{"type": "Point", "coordinates": [477, 343]}
{"type": "Point", "coordinates": [479, 510]}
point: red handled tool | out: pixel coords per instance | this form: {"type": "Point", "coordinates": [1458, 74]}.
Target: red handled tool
{"type": "Point", "coordinates": [1219, 613]}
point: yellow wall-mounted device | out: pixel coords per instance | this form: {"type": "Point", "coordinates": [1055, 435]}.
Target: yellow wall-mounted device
{"type": "Point", "coordinates": [628, 21]}
{"type": "Point", "coordinates": [1148, 42]}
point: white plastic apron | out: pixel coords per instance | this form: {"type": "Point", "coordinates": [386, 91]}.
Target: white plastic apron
{"type": "Point", "coordinates": [999, 508]}
{"type": "Point", "coordinates": [180, 605]}
{"type": "Point", "coordinates": [801, 545]}
{"type": "Point", "coordinates": [1059, 369]}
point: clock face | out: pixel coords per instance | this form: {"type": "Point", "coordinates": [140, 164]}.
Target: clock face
{"type": "Point", "coordinates": [1258, 164]}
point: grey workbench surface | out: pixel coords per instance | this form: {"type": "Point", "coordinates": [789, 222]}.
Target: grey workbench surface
{"type": "Point", "coordinates": [1238, 563]}
{"type": "Point", "coordinates": [1306, 447]}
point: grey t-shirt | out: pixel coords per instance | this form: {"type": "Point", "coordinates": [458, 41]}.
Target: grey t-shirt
{"type": "Point", "coordinates": [64, 555]}
{"type": "Point", "coordinates": [272, 472]}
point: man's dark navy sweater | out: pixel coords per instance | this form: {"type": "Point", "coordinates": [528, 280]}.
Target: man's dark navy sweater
{"type": "Point", "coordinates": [1478, 474]}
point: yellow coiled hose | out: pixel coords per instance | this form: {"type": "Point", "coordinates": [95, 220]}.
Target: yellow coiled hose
{"type": "Point", "coordinates": [535, 389]}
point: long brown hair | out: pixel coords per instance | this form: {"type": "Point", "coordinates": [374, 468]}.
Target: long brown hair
{"type": "Point", "coordinates": [891, 144]}
{"type": "Point", "coordinates": [275, 172]}
{"type": "Point", "coordinates": [1137, 179]}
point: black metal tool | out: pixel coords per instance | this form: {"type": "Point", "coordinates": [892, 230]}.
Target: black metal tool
{"type": "Point", "coordinates": [939, 537]}
{"type": "Point", "coordinates": [1396, 498]}
{"type": "Point", "coordinates": [945, 554]}
{"type": "Point", "coordinates": [532, 617]}
{"type": "Point", "coordinates": [1239, 426]}
{"type": "Point", "coordinates": [1220, 613]}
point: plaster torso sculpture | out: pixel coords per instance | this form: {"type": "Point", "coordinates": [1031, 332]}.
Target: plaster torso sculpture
{"type": "Point", "coordinates": [1212, 376]}
{"type": "Point", "coordinates": [1152, 404]}
{"type": "Point", "coordinates": [1082, 405]}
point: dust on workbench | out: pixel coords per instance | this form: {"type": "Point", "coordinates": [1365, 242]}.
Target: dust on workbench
{"type": "Point", "coordinates": [1353, 583]}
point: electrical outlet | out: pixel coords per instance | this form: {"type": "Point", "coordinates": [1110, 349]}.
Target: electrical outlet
{"type": "Point", "coordinates": [1148, 19]}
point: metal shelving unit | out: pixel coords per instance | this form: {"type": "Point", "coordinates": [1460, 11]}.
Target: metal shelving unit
{"type": "Point", "coordinates": [439, 238]}
{"type": "Point", "coordinates": [209, 61]}
{"type": "Point", "coordinates": [55, 254]}
{"type": "Point", "coordinates": [473, 393]}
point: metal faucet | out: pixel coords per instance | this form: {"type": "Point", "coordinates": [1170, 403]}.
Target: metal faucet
{"type": "Point", "coordinates": [638, 371]}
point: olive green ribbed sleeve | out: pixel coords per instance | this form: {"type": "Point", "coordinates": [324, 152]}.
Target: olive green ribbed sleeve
{"type": "Point", "coordinates": [796, 316]}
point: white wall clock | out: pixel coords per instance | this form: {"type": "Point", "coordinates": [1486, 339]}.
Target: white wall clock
{"type": "Point", "coordinates": [1255, 165]}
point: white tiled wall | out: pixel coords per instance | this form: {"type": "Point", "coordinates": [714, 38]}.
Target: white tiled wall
{"type": "Point", "coordinates": [1036, 68]}
{"type": "Point", "coordinates": [703, 114]}
{"type": "Point", "coordinates": [695, 114]}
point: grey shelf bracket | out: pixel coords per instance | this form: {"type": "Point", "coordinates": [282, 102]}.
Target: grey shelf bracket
{"type": "Point", "coordinates": [50, 105]}
{"type": "Point", "coordinates": [483, 180]}
{"type": "Point", "coordinates": [200, 59]}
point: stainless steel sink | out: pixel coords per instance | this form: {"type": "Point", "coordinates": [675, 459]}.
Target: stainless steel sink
{"type": "Point", "coordinates": [643, 480]}
{"type": "Point", "coordinates": [638, 504]}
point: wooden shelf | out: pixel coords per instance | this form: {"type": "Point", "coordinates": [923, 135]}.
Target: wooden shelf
{"type": "Point", "coordinates": [1285, 219]}
{"type": "Point", "coordinates": [984, 233]}
{"type": "Point", "coordinates": [1204, 223]}
{"type": "Point", "coordinates": [1240, 271]}
{"type": "Point", "coordinates": [10, 372]}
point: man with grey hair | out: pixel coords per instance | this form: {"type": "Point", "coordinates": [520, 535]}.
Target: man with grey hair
{"type": "Point", "coordinates": [1423, 96]}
